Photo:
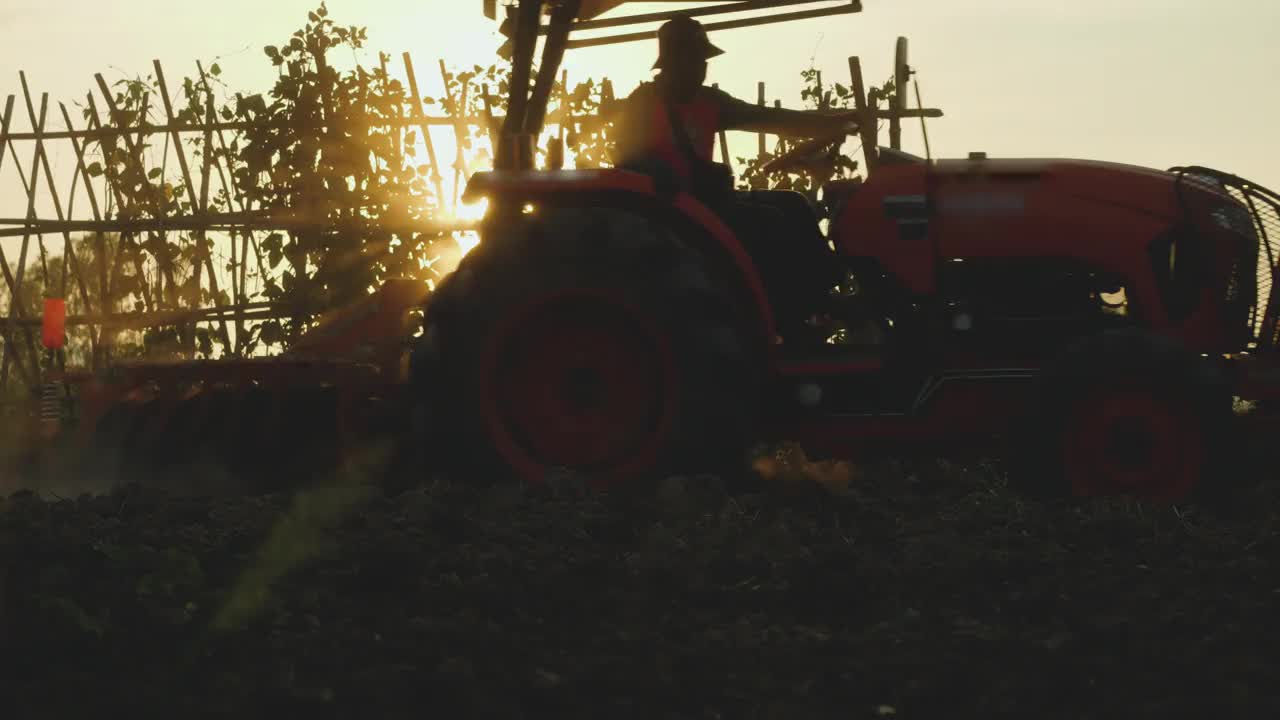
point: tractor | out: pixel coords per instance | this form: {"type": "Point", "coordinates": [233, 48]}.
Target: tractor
{"type": "Point", "coordinates": [1104, 324]}
{"type": "Point", "coordinates": [1101, 320]}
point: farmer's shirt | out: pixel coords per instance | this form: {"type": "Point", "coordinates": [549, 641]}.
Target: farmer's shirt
{"type": "Point", "coordinates": [643, 128]}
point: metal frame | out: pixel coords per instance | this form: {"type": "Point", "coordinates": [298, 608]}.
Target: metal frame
{"type": "Point", "coordinates": [527, 104]}
{"type": "Point", "coordinates": [829, 7]}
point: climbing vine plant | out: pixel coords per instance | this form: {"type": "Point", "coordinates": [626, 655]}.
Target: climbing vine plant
{"type": "Point", "coordinates": [326, 151]}
{"type": "Point", "coordinates": [334, 150]}
{"type": "Point", "coordinates": [834, 165]}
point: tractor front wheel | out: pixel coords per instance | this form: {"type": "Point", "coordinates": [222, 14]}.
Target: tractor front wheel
{"type": "Point", "coordinates": [1126, 413]}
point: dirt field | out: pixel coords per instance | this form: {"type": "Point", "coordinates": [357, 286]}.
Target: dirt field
{"type": "Point", "coordinates": [926, 591]}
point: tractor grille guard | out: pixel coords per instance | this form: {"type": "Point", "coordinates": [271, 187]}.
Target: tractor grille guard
{"type": "Point", "coordinates": [1258, 218]}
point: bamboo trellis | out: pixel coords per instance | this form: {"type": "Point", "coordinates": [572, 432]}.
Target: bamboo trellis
{"type": "Point", "coordinates": [242, 226]}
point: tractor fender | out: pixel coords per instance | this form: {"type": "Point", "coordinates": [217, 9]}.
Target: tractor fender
{"type": "Point", "coordinates": [632, 189]}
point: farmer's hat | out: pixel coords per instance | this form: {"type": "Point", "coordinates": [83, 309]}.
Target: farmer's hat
{"type": "Point", "coordinates": [683, 38]}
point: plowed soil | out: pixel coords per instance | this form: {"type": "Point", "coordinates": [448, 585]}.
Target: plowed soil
{"type": "Point", "coordinates": [927, 590]}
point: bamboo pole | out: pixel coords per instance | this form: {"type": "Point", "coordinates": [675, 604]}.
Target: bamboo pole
{"type": "Point", "coordinates": [12, 352]}
{"type": "Point", "coordinates": [104, 300]}
{"type": "Point", "coordinates": [205, 162]}
{"type": "Point", "coordinates": [162, 259]}
{"type": "Point", "coordinates": [168, 290]}
{"type": "Point", "coordinates": [29, 185]}
{"type": "Point", "coordinates": [137, 320]}
{"type": "Point", "coordinates": [223, 125]}
{"type": "Point", "coordinates": [420, 118]}
{"type": "Point", "coordinates": [6, 329]}
{"type": "Point", "coordinates": [125, 239]}
{"type": "Point", "coordinates": [255, 220]}
{"type": "Point", "coordinates": [202, 253]}
{"type": "Point", "coordinates": [208, 160]}
{"type": "Point", "coordinates": [565, 123]}
{"type": "Point", "coordinates": [4, 127]}
{"type": "Point", "coordinates": [489, 124]}
{"type": "Point", "coordinates": [177, 138]}
{"type": "Point", "coordinates": [867, 131]}
{"type": "Point", "coordinates": [459, 131]}
{"type": "Point", "coordinates": [461, 172]}
{"type": "Point", "coordinates": [150, 301]}
{"type": "Point", "coordinates": [248, 239]}
{"type": "Point", "coordinates": [760, 144]}
{"type": "Point", "coordinates": [70, 262]}
{"type": "Point", "coordinates": [386, 88]}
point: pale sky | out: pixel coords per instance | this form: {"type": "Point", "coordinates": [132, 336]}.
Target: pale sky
{"type": "Point", "coordinates": [1151, 82]}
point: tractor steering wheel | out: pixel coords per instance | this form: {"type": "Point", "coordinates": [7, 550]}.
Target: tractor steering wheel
{"type": "Point", "coordinates": [799, 157]}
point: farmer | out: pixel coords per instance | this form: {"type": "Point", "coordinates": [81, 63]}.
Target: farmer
{"type": "Point", "coordinates": [644, 127]}
{"type": "Point", "coordinates": [667, 128]}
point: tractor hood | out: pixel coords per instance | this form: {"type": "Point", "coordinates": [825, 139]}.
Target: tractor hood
{"type": "Point", "coordinates": [1133, 187]}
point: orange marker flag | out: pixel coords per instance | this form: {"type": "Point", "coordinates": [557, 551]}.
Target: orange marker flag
{"type": "Point", "coordinates": [53, 331]}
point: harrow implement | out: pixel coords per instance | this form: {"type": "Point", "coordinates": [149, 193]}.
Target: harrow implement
{"type": "Point", "coordinates": [258, 423]}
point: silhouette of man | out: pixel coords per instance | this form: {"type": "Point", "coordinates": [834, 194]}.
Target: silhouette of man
{"type": "Point", "coordinates": [667, 128]}
{"type": "Point", "coordinates": [673, 121]}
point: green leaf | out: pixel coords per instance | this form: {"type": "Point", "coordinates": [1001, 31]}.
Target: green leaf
{"type": "Point", "coordinates": [313, 17]}
{"type": "Point", "coordinates": [215, 69]}
{"type": "Point", "coordinates": [271, 51]}
{"type": "Point", "coordinates": [94, 169]}
{"type": "Point", "coordinates": [154, 173]}
{"type": "Point", "coordinates": [272, 333]}
{"type": "Point", "coordinates": [273, 244]}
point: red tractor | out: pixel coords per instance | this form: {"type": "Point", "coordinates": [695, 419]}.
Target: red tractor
{"type": "Point", "coordinates": [1103, 317]}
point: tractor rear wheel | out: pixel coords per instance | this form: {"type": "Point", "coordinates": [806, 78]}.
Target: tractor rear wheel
{"type": "Point", "coordinates": [1126, 413]}
{"type": "Point", "coordinates": [587, 340]}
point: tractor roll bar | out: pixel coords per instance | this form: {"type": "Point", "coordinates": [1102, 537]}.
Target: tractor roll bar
{"type": "Point", "coordinates": [589, 9]}
{"type": "Point", "coordinates": [523, 25]}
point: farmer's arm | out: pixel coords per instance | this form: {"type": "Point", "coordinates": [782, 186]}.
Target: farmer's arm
{"type": "Point", "coordinates": [739, 115]}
